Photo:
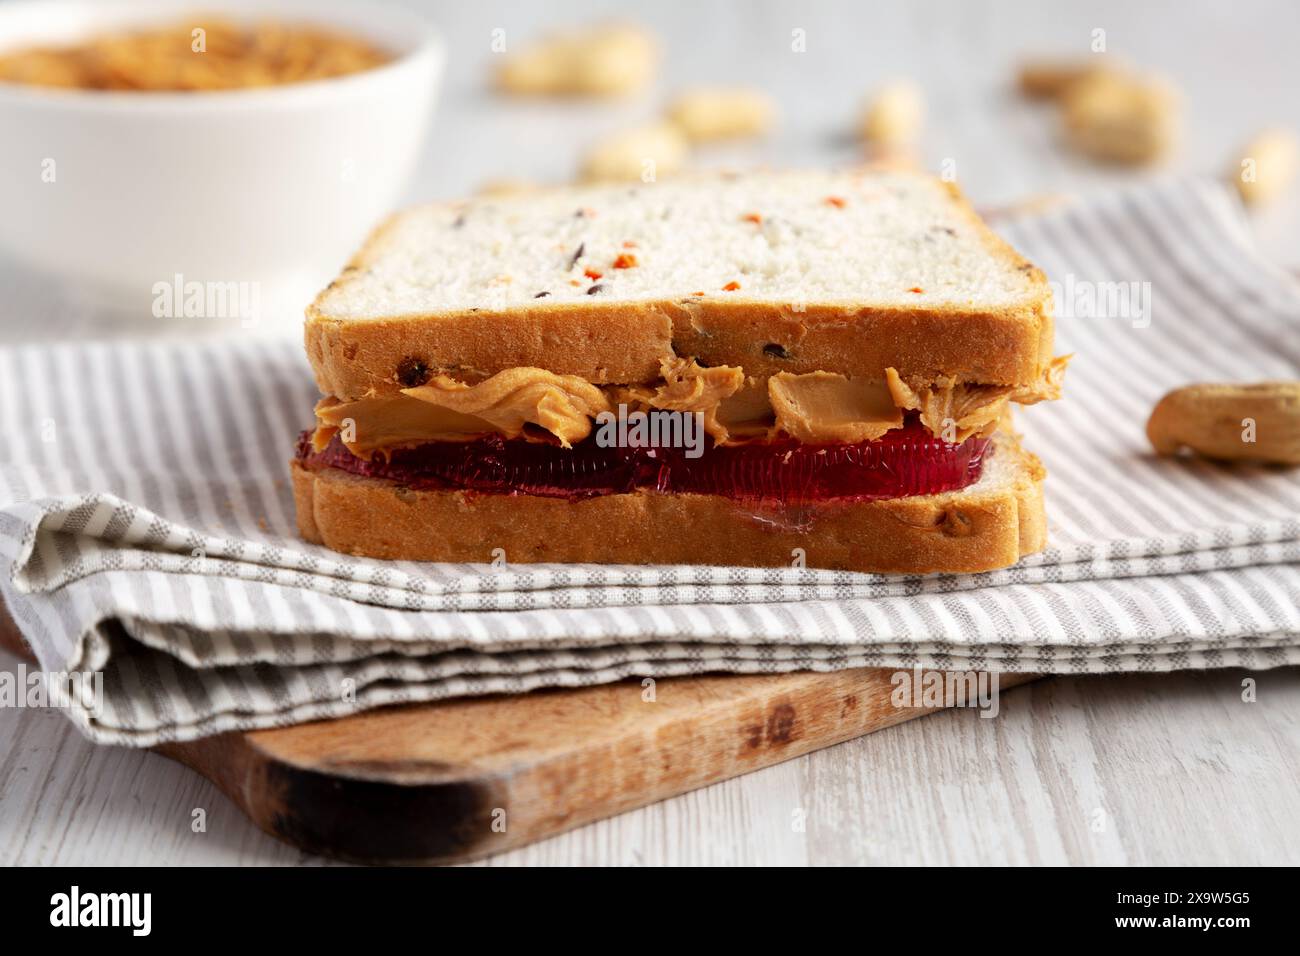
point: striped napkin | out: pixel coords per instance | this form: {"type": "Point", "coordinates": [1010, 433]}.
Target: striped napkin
{"type": "Point", "coordinates": [147, 529]}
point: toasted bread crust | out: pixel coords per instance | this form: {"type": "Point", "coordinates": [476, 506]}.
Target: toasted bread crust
{"type": "Point", "coordinates": [627, 342]}
{"type": "Point", "coordinates": [964, 531]}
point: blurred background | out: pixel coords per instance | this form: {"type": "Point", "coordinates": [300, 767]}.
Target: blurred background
{"type": "Point", "coordinates": [1233, 70]}
{"type": "Point", "coordinates": [1236, 65]}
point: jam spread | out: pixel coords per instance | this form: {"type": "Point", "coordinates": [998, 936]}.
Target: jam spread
{"type": "Point", "coordinates": [904, 461]}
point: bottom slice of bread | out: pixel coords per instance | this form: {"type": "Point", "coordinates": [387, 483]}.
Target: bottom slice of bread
{"type": "Point", "coordinates": [987, 525]}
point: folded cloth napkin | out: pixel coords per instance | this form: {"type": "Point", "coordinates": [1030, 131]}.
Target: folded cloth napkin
{"type": "Point", "coordinates": [147, 528]}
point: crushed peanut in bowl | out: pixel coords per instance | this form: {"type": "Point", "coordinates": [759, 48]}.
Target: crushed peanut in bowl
{"type": "Point", "coordinates": [207, 54]}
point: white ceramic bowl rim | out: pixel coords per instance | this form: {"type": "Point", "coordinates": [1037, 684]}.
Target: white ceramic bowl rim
{"type": "Point", "coordinates": [403, 33]}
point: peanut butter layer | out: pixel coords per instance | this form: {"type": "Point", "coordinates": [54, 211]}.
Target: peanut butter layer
{"type": "Point", "coordinates": [564, 405]}
{"type": "Point", "coordinates": [826, 407]}
{"type": "Point", "coordinates": [689, 387]}
{"type": "Point", "coordinates": [814, 407]}
{"type": "Point", "coordinates": [372, 424]}
{"type": "Point", "coordinates": [447, 410]}
{"type": "Point", "coordinates": [956, 410]}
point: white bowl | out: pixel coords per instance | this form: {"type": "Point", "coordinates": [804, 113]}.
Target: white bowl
{"type": "Point", "coordinates": [122, 193]}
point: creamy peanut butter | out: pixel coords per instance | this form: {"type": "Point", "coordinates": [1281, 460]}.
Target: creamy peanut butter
{"type": "Point", "coordinates": [956, 410]}
{"type": "Point", "coordinates": [564, 405]}
{"type": "Point", "coordinates": [828, 407]}
{"type": "Point", "coordinates": [371, 424]}
{"type": "Point", "coordinates": [812, 407]}
{"type": "Point", "coordinates": [689, 387]}
{"type": "Point", "coordinates": [447, 410]}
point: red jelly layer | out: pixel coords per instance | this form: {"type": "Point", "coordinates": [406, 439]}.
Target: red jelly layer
{"type": "Point", "coordinates": [906, 461]}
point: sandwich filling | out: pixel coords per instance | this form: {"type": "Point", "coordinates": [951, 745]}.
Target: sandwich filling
{"type": "Point", "coordinates": [789, 437]}
{"type": "Point", "coordinates": [537, 405]}
{"type": "Point", "coordinates": [905, 461]}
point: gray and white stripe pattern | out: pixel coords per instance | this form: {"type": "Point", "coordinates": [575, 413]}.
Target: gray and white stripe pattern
{"type": "Point", "coordinates": [147, 531]}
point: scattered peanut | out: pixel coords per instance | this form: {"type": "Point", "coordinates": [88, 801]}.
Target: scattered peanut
{"type": "Point", "coordinates": [607, 60]}
{"type": "Point", "coordinates": [1267, 165]}
{"type": "Point", "coordinates": [506, 186]}
{"type": "Point", "coordinates": [893, 117]}
{"type": "Point", "coordinates": [1120, 117]}
{"type": "Point", "coordinates": [644, 153]}
{"type": "Point", "coordinates": [1258, 422]}
{"type": "Point", "coordinates": [711, 113]}
{"type": "Point", "coordinates": [1049, 79]}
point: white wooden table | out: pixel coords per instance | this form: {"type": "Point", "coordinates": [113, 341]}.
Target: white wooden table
{"type": "Point", "coordinates": [1170, 769]}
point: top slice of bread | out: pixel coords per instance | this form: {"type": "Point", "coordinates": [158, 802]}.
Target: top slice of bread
{"type": "Point", "coordinates": [848, 272]}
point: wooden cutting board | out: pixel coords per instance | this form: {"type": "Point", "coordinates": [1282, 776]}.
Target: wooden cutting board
{"type": "Point", "coordinates": [452, 781]}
